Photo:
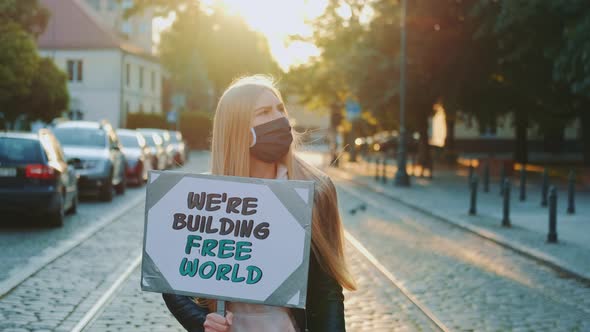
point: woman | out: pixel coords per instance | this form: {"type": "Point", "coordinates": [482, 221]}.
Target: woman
{"type": "Point", "coordinates": [252, 138]}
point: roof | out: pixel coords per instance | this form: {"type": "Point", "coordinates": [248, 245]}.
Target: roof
{"type": "Point", "coordinates": [17, 134]}
{"type": "Point", "coordinates": [79, 124]}
{"type": "Point", "coordinates": [73, 25]}
{"type": "Point", "coordinates": [126, 132]}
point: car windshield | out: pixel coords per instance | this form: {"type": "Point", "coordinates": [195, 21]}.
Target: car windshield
{"type": "Point", "coordinates": [18, 150]}
{"type": "Point", "coordinates": [129, 141]}
{"type": "Point", "coordinates": [173, 138]}
{"type": "Point", "coordinates": [81, 137]}
{"type": "Point", "coordinates": [152, 140]}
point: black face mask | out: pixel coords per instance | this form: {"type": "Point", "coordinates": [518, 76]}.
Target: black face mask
{"type": "Point", "coordinates": [272, 140]}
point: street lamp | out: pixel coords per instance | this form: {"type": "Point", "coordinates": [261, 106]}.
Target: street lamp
{"type": "Point", "coordinates": [401, 176]}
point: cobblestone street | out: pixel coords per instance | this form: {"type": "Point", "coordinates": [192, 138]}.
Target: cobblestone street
{"type": "Point", "coordinates": [466, 283]}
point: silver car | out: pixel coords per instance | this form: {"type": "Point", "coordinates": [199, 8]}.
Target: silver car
{"type": "Point", "coordinates": [155, 144]}
{"type": "Point", "coordinates": [165, 138]}
{"type": "Point", "coordinates": [178, 147]}
{"type": "Point", "coordinates": [137, 154]}
{"type": "Point", "coordinates": [97, 155]}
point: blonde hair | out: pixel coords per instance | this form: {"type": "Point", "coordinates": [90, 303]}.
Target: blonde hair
{"type": "Point", "coordinates": [230, 155]}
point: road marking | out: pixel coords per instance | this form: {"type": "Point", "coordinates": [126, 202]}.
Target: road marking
{"type": "Point", "coordinates": [51, 254]}
{"type": "Point", "coordinates": [104, 299]}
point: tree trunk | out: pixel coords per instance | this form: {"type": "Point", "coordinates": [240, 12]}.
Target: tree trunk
{"type": "Point", "coordinates": [521, 147]}
{"type": "Point", "coordinates": [450, 139]}
{"type": "Point", "coordinates": [585, 137]}
{"type": "Point", "coordinates": [424, 157]}
{"type": "Point", "coordinates": [335, 120]}
{"type": "Point", "coordinates": [450, 153]}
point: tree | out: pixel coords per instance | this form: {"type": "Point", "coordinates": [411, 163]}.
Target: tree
{"type": "Point", "coordinates": [206, 50]}
{"type": "Point", "coordinates": [48, 96]}
{"type": "Point", "coordinates": [570, 65]}
{"type": "Point", "coordinates": [18, 63]}
{"type": "Point", "coordinates": [27, 13]}
{"type": "Point", "coordinates": [328, 81]}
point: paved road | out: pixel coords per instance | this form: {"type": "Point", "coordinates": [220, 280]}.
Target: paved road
{"type": "Point", "coordinates": [24, 242]}
{"type": "Point", "coordinates": [469, 284]}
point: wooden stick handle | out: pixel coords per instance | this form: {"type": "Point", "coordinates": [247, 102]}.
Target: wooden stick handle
{"type": "Point", "coordinates": [221, 307]}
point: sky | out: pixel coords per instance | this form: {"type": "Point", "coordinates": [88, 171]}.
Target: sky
{"type": "Point", "coordinates": [277, 20]}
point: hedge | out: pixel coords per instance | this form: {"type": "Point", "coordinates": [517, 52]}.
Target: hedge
{"type": "Point", "coordinates": [195, 126]}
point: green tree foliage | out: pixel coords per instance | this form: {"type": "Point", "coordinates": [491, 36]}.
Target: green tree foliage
{"type": "Point", "coordinates": [206, 50]}
{"type": "Point", "coordinates": [18, 64]}
{"type": "Point", "coordinates": [48, 95]}
{"type": "Point", "coordinates": [27, 13]}
{"type": "Point", "coordinates": [31, 88]}
{"type": "Point", "coordinates": [484, 58]}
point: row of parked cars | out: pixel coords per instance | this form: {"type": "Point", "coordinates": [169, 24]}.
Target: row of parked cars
{"type": "Point", "coordinates": [44, 173]}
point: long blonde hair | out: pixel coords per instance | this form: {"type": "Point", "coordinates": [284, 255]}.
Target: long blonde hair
{"type": "Point", "coordinates": [230, 155]}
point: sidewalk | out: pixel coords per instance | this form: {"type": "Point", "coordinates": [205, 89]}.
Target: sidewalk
{"type": "Point", "coordinates": [447, 195]}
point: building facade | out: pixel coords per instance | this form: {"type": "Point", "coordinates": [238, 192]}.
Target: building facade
{"type": "Point", "coordinates": [109, 75]}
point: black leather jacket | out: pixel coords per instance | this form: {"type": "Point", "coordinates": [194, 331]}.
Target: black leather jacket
{"type": "Point", "coordinates": [324, 308]}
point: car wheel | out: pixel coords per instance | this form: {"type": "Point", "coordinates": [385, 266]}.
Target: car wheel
{"type": "Point", "coordinates": [120, 188]}
{"type": "Point", "coordinates": [56, 219]}
{"type": "Point", "coordinates": [74, 208]}
{"type": "Point", "coordinates": [106, 192]}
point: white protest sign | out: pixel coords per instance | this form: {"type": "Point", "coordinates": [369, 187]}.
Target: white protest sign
{"type": "Point", "coordinates": [227, 238]}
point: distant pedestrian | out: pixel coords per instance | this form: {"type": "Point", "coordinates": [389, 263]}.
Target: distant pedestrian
{"type": "Point", "coordinates": [252, 138]}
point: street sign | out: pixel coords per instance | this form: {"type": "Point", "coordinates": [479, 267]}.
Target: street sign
{"type": "Point", "coordinates": [178, 101]}
{"type": "Point", "coordinates": [353, 110]}
{"type": "Point", "coordinates": [227, 238]}
{"type": "Point", "coordinates": [172, 116]}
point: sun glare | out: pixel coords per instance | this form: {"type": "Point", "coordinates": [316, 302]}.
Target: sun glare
{"type": "Point", "coordinates": [277, 20]}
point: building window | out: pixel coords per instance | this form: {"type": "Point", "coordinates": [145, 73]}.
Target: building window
{"type": "Point", "coordinates": [153, 81]}
{"type": "Point", "coordinates": [128, 74]}
{"type": "Point", "coordinates": [127, 4]}
{"type": "Point", "coordinates": [94, 4]}
{"type": "Point", "coordinates": [112, 5]}
{"type": "Point", "coordinates": [126, 28]}
{"type": "Point", "coordinates": [75, 70]}
{"type": "Point", "coordinates": [141, 77]}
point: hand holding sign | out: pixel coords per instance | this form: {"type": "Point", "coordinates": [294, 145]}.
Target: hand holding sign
{"type": "Point", "coordinates": [228, 238]}
{"type": "Point", "coordinates": [217, 323]}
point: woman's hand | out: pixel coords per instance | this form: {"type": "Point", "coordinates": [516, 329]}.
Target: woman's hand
{"type": "Point", "coordinates": [217, 323]}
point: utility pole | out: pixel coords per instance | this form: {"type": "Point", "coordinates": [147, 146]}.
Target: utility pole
{"type": "Point", "coordinates": [401, 176]}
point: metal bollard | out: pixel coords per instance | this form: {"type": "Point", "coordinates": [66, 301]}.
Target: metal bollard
{"type": "Point", "coordinates": [473, 201]}
{"type": "Point", "coordinates": [544, 187]}
{"type": "Point", "coordinates": [486, 177]}
{"type": "Point", "coordinates": [523, 183]}
{"type": "Point", "coordinates": [552, 235]}
{"type": "Point", "coordinates": [502, 178]}
{"type": "Point", "coordinates": [506, 210]}
{"type": "Point", "coordinates": [376, 169]}
{"type": "Point", "coordinates": [384, 171]}
{"type": "Point", "coordinates": [571, 191]}
{"type": "Point", "coordinates": [470, 176]}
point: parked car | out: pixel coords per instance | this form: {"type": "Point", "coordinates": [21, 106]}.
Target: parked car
{"type": "Point", "coordinates": [166, 146]}
{"type": "Point", "coordinates": [154, 143]}
{"type": "Point", "coordinates": [99, 161]}
{"type": "Point", "coordinates": [35, 178]}
{"type": "Point", "coordinates": [137, 155]}
{"type": "Point", "coordinates": [178, 147]}
{"type": "Point", "coordinates": [388, 144]}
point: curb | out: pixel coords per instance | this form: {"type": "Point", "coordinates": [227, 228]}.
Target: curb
{"type": "Point", "coordinates": [524, 250]}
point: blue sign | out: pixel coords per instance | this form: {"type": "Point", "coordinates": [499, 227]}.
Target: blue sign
{"type": "Point", "coordinates": [353, 110]}
{"type": "Point", "coordinates": [172, 116]}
